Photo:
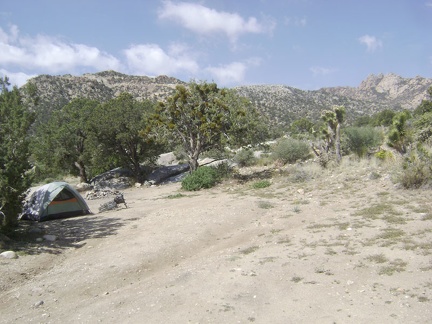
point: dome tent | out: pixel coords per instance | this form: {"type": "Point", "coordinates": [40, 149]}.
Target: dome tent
{"type": "Point", "coordinates": [53, 201]}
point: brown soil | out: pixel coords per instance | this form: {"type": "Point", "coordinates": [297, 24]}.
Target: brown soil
{"type": "Point", "coordinates": [341, 247]}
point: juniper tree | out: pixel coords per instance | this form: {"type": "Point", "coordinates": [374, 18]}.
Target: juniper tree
{"type": "Point", "coordinates": [201, 117]}
{"type": "Point", "coordinates": [15, 180]}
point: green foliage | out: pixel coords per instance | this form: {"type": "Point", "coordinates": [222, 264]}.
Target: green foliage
{"type": "Point", "coordinates": [62, 145]}
{"type": "Point", "coordinates": [362, 121]}
{"type": "Point", "coordinates": [384, 155]}
{"type": "Point", "coordinates": [360, 139]}
{"type": "Point", "coordinates": [261, 184]}
{"type": "Point", "coordinates": [202, 117]}
{"type": "Point", "coordinates": [426, 105]}
{"type": "Point", "coordinates": [398, 136]}
{"type": "Point", "coordinates": [15, 123]}
{"type": "Point", "coordinates": [121, 129]}
{"type": "Point", "coordinates": [382, 118]}
{"type": "Point", "coordinates": [202, 178]}
{"type": "Point", "coordinates": [289, 150]}
{"type": "Point", "coordinates": [423, 127]}
{"type": "Point", "coordinates": [331, 135]}
{"type": "Point", "coordinates": [245, 157]}
{"type": "Point", "coordinates": [301, 127]}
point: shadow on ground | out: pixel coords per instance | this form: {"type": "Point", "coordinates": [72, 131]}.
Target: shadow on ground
{"type": "Point", "coordinates": [67, 233]}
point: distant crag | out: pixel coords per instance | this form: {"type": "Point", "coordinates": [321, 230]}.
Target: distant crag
{"type": "Point", "coordinates": [283, 104]}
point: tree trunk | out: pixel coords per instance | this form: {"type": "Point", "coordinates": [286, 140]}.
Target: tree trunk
{"type": "Point", "coordinates": [82, 171]}
{"type": "Point", "coordinates": [337, 140]}
{"type": "Point", "coordinates": [193, 164]}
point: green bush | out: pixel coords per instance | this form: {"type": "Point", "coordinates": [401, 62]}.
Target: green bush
{"type": "Point", "coordinates": [203, 178]}
{"type": "Point", "coordinates": [360, 139]}
{"type": "Point", "coordinates": [384, 155]}
{"type": "Point", "coordinates": [261, 184]}
{"type": "Point", "coordinates": [290, 150]}
{"type": "Point", "coordinates": [245, 157]}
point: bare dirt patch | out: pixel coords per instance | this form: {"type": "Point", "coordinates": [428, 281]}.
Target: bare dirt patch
{"type": "Point", "coordinates": [340, 247]}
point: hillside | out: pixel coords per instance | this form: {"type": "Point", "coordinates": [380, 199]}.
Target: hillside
{"type": "Point", "coordinates": [281, 103]}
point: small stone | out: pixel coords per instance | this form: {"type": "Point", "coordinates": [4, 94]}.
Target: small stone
{"type": "Point", "coordinates": [9, 255]}
{"type": "Point", "coordinates": [39, 303]}
{"type": "Point", "coordinates": [49, 237]}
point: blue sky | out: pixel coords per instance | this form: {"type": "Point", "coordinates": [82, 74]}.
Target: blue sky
{"type": "Point", "coordinates": [307, 44]}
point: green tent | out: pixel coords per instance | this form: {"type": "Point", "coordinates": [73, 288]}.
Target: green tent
{"type": "Point", "coordinates": [54, 200]}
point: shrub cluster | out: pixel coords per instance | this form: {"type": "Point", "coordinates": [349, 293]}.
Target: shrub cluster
{"type": "Point", "coordinates": [360, 139]}
{"type": "Point", "coordinates": [417, 169]}
{"type": "Point", "coordinates": [289, 150]}
{"type": "Point", "coordinates": [245, 157]}
{"type": "Point", "coordinates": [203, 178]}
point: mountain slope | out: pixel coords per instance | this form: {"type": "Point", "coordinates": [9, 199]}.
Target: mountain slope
{"type": "Point", "coordinates": [284, 104]}
{"type": "Point", "coordinates": [281, 103]}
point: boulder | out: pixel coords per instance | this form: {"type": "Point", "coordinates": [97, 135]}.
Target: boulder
{"type": "Point", "coordinates": [9, 255]}
{"type": "Point", "coordinates": [165, 172]}
{"type": "Point", "coordinates": [80, 187]}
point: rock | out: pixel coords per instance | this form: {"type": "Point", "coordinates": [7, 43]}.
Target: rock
{"type": "Point", "coordinates": [38, 304]}
{"type": "Point", "coordinates": [49, 237]}
{"type": "Point", "coordinates": [9, 255]}
{"type": "Point", "coordinates": [167, 159]}
{"type": "Point", "coordinates": [138, 185]}
{"type": "Point", "coordinates": [163, 173]}
{"type": "Point", "coordinates": [80, 187]}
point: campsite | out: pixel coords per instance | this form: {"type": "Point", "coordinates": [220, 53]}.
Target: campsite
{"type": "Point", "coordinates": [325, 248]}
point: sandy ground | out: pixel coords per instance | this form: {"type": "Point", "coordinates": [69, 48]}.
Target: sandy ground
{"type": "Point", "coordinates": [341, 248]}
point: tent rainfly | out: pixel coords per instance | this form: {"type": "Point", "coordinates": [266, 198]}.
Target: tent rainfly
{"type": "Point", "coordinates": [53, 201]}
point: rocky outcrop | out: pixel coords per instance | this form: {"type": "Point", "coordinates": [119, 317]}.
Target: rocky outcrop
{"type": "Point", "coordinates": [283, 104]}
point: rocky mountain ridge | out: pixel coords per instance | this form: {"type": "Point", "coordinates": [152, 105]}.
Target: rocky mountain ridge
{"type": "Point", "coordinates": [375, 93]}
{"type": "Point", "coordinates": [281, 103]}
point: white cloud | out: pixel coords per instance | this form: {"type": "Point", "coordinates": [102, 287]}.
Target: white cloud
{"type": "Point", "coordinates": [50, 54]}
{"type": "Point", "coordinates": [318, 70]}
{"type": "Point", "coordinates": [16, 79]}
{"type": "Point", "coordinates": [150, 59]}
{"type": "Point", "coordinates": [232, 73]}
{"type": "Point", "coordinates": [205, 21]}
{"type": "Point", "coordinates": [372, 43]}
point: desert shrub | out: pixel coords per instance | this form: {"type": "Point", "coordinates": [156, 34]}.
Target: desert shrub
{"type": "Point", "coordinates": [384, 155]}
{"type": "Point", "coordinates": [261, 184]}
{"type": "Point", "coordinates": [416, 169]}
{"type": "Point", "coordinates": [224, 170]}
{"type": "Point", "coordinates": [360, 139]}
{"type": "Point", "coordinates": [298, 174]}
{"type": "Point", "coordinates": [245, 157]}
{"type": "Point", "coordinates": [290, 150]}
{"type": "Point", "coordinates": [203, 178]}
